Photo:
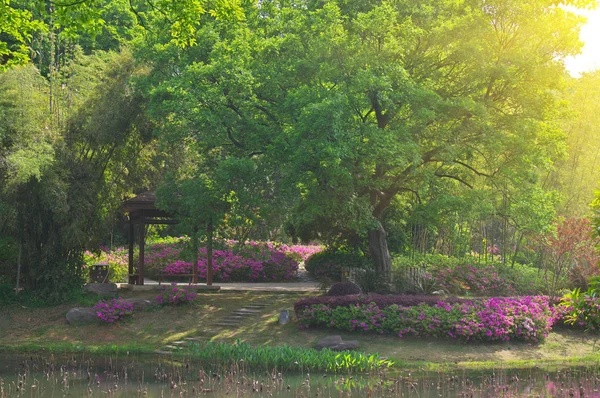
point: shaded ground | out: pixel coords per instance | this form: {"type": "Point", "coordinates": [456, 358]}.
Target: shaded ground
{"type": "Point", "coordinates": [155, 328]}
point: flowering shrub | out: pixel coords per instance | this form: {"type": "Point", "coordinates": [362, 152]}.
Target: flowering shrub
{"type": "Point", "coordinates": [495, 319]}
{"type": "Point", "coordinates": [113, 310]}
{"type": "Point", "coordinates": [403, 300]}
{"type": "Point", "coordinates": [174, 295]}
{"type": "Point", "coordinates": [254, 261]}
{"type": "Point", "coordinates": [258, 264]}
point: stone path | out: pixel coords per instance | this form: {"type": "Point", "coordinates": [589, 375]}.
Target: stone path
{"type": "Point", "coordinates": [230, 321]}
{"type": "Point", "coordinates": [303, 283]}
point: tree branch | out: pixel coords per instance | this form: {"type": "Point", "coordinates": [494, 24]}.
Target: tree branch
{"type": "Point", "coordinates": [454, 178]}
{"type": "Point", "coordinates": [479, 173]}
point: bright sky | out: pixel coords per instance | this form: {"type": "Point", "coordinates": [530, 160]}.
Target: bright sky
{"type": "Point", "coordinates": [589, 59]}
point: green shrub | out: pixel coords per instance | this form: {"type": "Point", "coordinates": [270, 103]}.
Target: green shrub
{"type": "Point", "coordinates": [468, 276]}
{"type": "Point", "coordinates": [370, 282]}
{"type": "Point", "coordinates": [583, 308]}
{"type": "Point", "coordinates": [344, 289]}
{"type": "Point", "coordinates": [329, 263]}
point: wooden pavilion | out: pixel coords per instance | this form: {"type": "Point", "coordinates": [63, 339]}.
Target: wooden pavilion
{"type": "Point", "coordinates": [142, 211]}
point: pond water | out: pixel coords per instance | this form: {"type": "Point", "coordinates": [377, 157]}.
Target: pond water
{"type": "Point", "coordinates": [81, 376]}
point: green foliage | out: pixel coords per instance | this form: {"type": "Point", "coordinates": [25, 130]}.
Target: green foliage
{"type": "Point", "coordinates": [32, 299]}
{"type": "Point", "coordinates": [583, 308]}
{"type": "Point", "coordinates": [344, 289]}
{"type": "Point", "coordinates": [469, 276]}
{"type": "Point", "coordinates": [118, 267]}
{"type": "Point", "coordinates": [8, 260]}
{"type": "Point", "coordinates": [370, 282]}
{"type": "Point", "coordinates": [285, 358]}
{"type": "Point", "coordinates": [329, 263]}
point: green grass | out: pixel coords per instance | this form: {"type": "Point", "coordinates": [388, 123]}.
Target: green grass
{"type": "Point", "coordinates": [36, 329]}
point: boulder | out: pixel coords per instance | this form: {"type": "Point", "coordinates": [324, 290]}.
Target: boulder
{"type": "Point", "coordinates": [140, 304]}
{"type": "Point", "coordinates": [345, 346]}
{"type": "Point", "coordinates": [81, 316]}
{"type": "Point", "coordinates": [335, 343]}
{"type": "Point", "coordinates": [284, 317]}
{"type": "Point", "coordinates": [101, 289]}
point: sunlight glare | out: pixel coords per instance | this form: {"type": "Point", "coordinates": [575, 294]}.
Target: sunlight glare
{"type": "Point", "coordinates": [589, 59]}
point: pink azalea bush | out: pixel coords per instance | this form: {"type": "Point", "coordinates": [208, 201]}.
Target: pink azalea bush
{"type": "Point", "coordinates": [113, 310]}
{"type": "Point", "coordinates": [527, 319]}
{"type": "Point", "coordinates": [254, 262]}
{"type": "Point", "coordinates": [251, 262]}
{"type": "Point", "coordinates": [175, 295]}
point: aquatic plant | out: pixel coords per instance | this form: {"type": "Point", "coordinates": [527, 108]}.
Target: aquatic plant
{"type": "Point", "coordinates": [113, 310]}
{"type": "Point", "coordinates": [286, 358]}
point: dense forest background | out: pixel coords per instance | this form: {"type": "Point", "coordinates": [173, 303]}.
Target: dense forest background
{"type": "Point", "coordinates": [390, 128]}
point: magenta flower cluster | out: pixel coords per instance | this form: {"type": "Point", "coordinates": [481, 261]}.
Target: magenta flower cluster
{"type": "Point", "coordinates": [469, 279]}
{"type": "Point", "coordinates": [255, 261]}
{"type": "Point", "coordinates": [175, 295]}
{"type": "Point", "coordinates": [527, 319]}
{"type": "Point", "coordinates": [113, 310]}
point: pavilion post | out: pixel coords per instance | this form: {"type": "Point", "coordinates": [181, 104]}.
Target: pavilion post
{"type": "Point", "coordinates": [142, 232]}
{"type": "Point", "coordinates": [209, 255]}
{"type": "Point", "coordinates": [131, 276]}
{"type": "Point", "coordinates": [195, 256]}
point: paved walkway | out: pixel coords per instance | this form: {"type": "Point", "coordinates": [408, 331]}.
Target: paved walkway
{"type": "Point", "coordinates": [303, 283]}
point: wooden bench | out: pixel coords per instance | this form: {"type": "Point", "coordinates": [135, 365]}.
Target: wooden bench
{"type": "Point", "coordinates": [161, 276]}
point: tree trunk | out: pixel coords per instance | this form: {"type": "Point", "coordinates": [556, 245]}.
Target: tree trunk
{"type": "Point", "coordinates": [380, 253]}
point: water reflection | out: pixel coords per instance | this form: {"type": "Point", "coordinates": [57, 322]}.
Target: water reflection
{"type": "Point", "coordinates": [83, 376]}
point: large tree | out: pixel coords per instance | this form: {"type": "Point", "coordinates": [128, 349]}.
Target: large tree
{"type": "Point", "coordinates": [359, 102]}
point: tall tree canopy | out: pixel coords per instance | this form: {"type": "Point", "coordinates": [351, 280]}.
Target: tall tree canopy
{"type": "Point", "coordinates": [360, 102]}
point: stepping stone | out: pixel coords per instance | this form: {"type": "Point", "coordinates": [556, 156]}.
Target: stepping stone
{"type": "Point", "coordinates": [172, 347]}
{"type": "Point", "coordinates": [226, 324]}
{"type": "Point", "coordinates": [241, 314]}
{"type": "Point", "coordinates": [178, 343]}
{"type": "Point", "coordinates": [255, 306]}
{"type": "Point", "coordinates": [234, 318]}
{"type": "Point", "coordinates": [193, 339]}
{"type": "Point", "coordinates": [248, 311]}
{"type": "Point", "coordinates": [162, 352]}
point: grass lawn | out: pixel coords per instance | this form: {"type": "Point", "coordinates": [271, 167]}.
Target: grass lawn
{"type": "Point", "coordinates": [45, 328]}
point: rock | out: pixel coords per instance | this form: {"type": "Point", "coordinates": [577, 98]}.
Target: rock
{"type": "Point", "coordinates": [345, 345]}
{"type": "Point", "coordinates": [101, 289]}
{"type": "Point", "coordinates": [81, 316]}
{"type": "Point", "coordinates": [140, 304]}
{"type": "Point", "coordinates": [328, 341]}
{"type": "Point", "coordinates": [284, 317]}
{"type": "Point", "coordinates": [335, 343]}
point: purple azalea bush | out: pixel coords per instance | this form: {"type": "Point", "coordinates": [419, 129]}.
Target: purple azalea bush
{"type": "Point", "coordinates": [528, 318]}
{"type": "Point", "coordinates": [175, 295]}
{"type": "Point", "coordinates": [113, 310]}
